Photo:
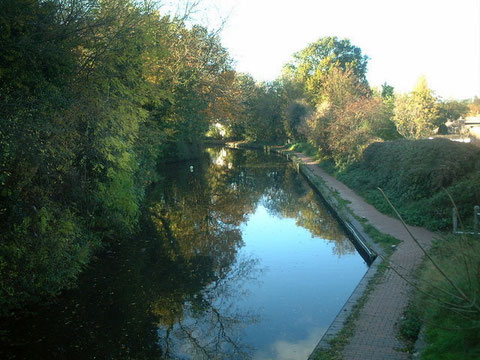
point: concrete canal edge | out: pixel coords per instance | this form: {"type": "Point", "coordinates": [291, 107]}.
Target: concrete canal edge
{"type": "Point", "coordinates": [362, 241]}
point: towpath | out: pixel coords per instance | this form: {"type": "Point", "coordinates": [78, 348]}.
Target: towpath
{"type": "Point", "coordinates": [376, 330]}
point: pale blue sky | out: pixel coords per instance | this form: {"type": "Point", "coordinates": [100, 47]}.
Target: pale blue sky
{"type": "Point", "coordinates": [404, 39]}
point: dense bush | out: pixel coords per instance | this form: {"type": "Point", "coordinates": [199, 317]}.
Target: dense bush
{"type": "Point", "coordinates": [93, 95]}
{"type": "Point", "coordinates": [415, 174]}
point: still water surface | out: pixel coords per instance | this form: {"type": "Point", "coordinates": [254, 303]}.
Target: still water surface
{"type": "Point", "coordinates": [236, 258]}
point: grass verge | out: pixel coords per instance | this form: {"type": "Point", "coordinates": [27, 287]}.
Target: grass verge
{"type": "Point", "coordinates": [410, 324]}
{"type": "Point", "coordinates": [447, 300]}
{"type": "Point", "coordinates": [387, 242]}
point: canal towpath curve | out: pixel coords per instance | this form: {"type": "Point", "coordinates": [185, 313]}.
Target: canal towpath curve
{"type": "Point", "coordinates": [376, 331]}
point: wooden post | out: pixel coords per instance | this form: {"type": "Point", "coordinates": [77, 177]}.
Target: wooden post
{"type": "Point", "coordinates": [454, 220]}
{"type": "Point", "coordinates": [476, 213]}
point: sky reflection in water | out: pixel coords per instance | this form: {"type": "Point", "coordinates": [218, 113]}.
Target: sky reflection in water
{"type": "Point", "coordinates": [302, 288]}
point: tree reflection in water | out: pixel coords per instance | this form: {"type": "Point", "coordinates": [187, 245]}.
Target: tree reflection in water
{"type": "Point", "coordinates": [209, 327]}
{"type": "Point", "coordinates": [199, 216]}
{"type": "Point", "coordinates": [170, 292]}
{"type": "Point", "coordinates": [283, 194]}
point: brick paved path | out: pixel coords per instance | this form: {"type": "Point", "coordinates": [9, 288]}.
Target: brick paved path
{"type": "Point", "coordinates": [375, 335]}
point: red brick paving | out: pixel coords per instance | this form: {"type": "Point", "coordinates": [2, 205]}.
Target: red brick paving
{"type": "Point", "coordinates": [375, 330]}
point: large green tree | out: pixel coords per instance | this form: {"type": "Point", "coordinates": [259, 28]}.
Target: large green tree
{"type": "Point", "coordinates": [311, 65]}
{"type": "Point", "coordinates": [194, 76]}
{"type": "Point", "coordinates": [347, 120]}
{"type": "Point", "coordinates": [319, 83]}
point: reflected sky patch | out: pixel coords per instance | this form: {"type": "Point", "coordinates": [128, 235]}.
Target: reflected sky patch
{"type": "Point", "coordinates": [303, 285]}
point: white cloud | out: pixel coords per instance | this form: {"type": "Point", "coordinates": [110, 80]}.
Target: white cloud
{"type": "Point", "coordinates": [286, 350]}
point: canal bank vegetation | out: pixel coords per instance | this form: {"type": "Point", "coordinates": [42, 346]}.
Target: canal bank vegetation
{"type": "Point", "coordinates": [447, 305]}
{"type": "Point", "coordinates": [93, 96]}
{"type": "Point", "coordinates": [419, 176]}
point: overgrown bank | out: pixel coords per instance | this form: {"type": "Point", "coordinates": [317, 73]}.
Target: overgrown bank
{"type": "Point", "coordinates": [418, 176]}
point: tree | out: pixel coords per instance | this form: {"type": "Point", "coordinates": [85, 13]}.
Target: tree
{"type": "Point", "coordinates": [385, 127]}
{"type": "Point", "coordinates": [196, 76]}
{"type": "Point", "coordinates": [265, 123]}
{"type": "Point", "coordinates": [387, 91]}
{"type": "Point", "coordinates": [339, 89]}
{"type": "Point", "coordinates": [261, 110]}
{"type": "Point", "coordinates": [311, 65]}
{"type": "Point", "coordinates": [349, 118]}
{"type": "Point", "coordinates": [246, 88]}
{"type": "Point", "coordinates": [416, 112]}
{"type": "Point", "coordinates": [355, 126]}
{"type": "Point", "coordinates": [45, 242]}
{"type": "Point", "coordinates": [295, 105]}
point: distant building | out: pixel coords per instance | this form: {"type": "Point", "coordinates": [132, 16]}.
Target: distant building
{"type": "Point", "coordinates": [472, 126]}
{"type": "Point", "coordinates": [464, 130]}
{"type": "Point", "coordinates": [454, 126]}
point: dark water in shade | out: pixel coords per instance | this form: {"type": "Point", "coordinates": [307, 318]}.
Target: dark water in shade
{"type": "Point", "coordinates": [236, 259]}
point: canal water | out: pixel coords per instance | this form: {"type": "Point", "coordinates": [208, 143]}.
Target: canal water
{"type": "Point", "coordinates": [236, 258]}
